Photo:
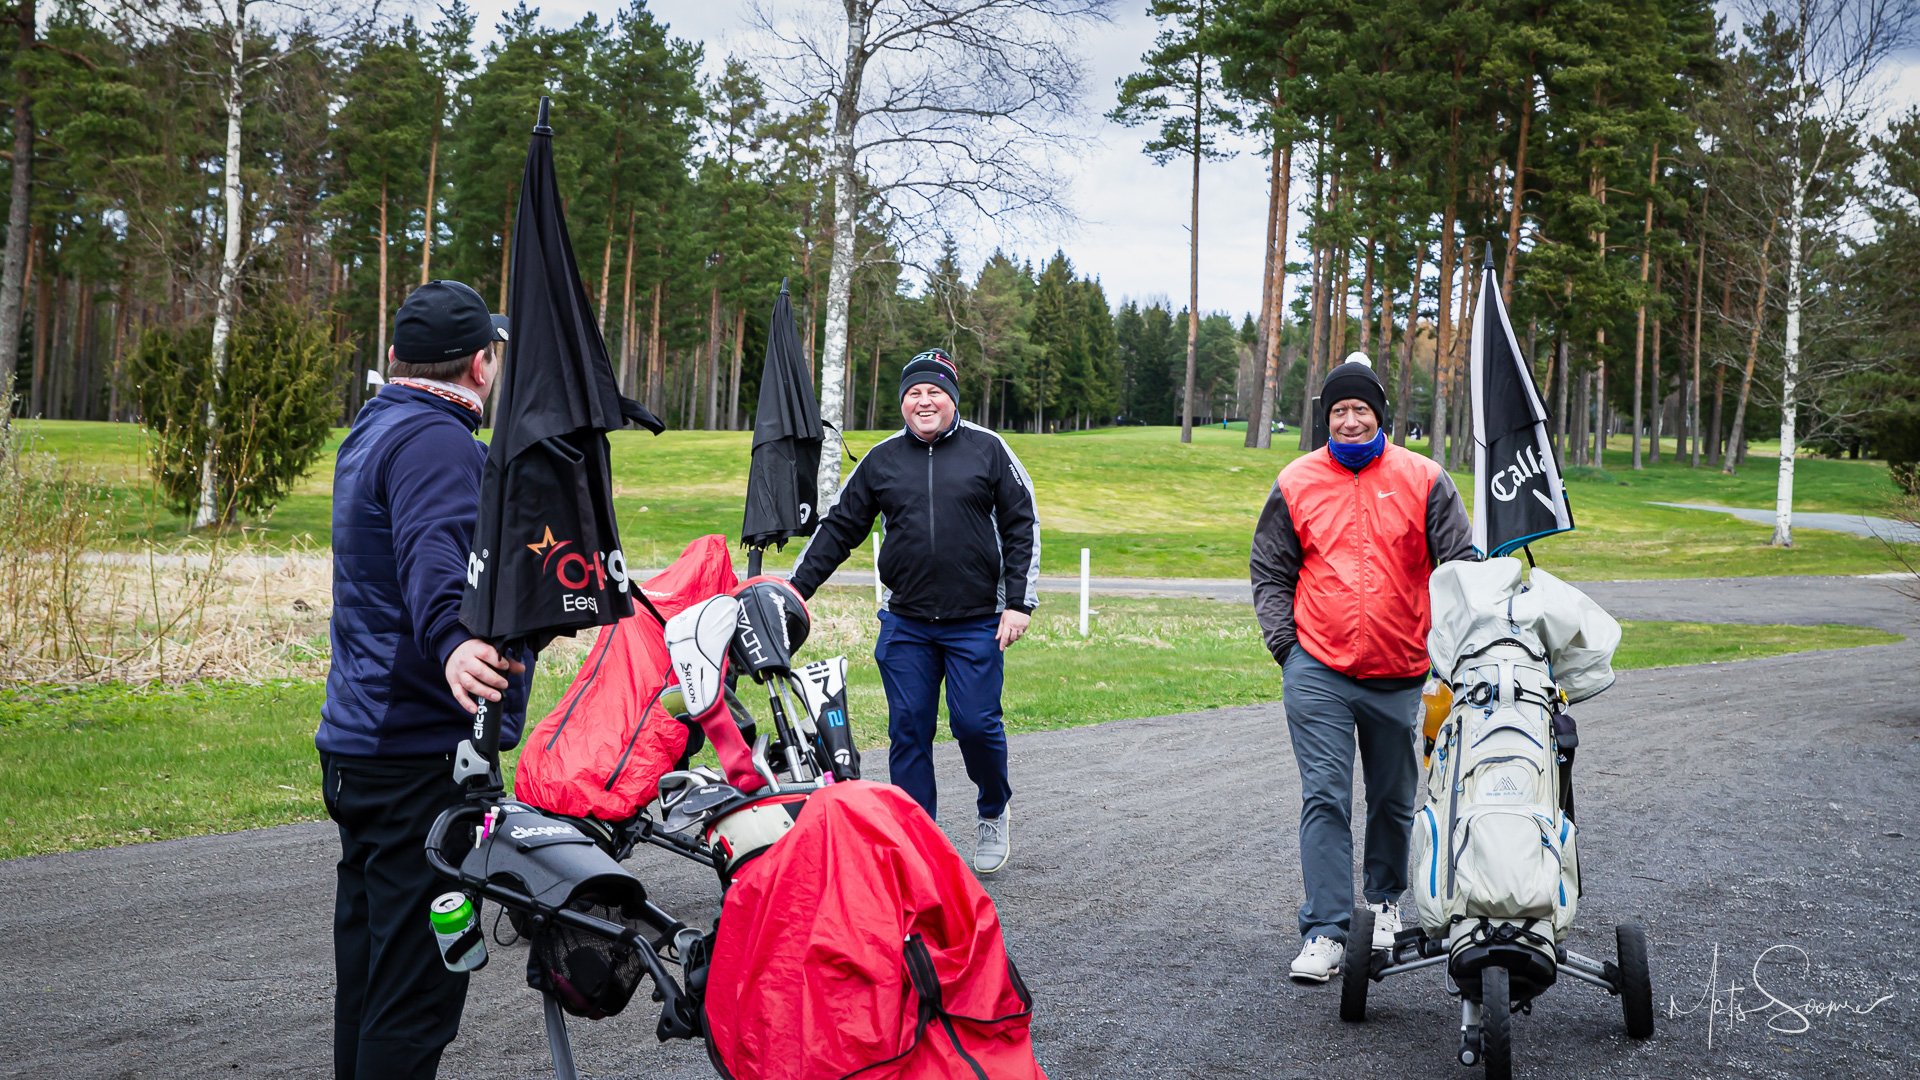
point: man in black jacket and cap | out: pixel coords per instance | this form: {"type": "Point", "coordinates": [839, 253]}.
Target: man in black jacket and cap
{"type": "Point", "coordinates": [404, 677]}
{"type": "Point", "coordinates": [961, 565]}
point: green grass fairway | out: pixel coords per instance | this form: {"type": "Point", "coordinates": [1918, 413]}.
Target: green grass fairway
{"type": "Point", "coordinates": [113, 764]}
{"type": "Point", "coordinates": [1144, 503]}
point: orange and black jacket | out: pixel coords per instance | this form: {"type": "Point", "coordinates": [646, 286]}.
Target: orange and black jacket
{"type": "Point", "coordinates": [1341, 559]}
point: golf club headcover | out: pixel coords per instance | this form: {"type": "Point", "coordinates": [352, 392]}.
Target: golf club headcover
{"type": "Point", "coordinates": [824, 685]}
{"type": "Point", "coordinates": [697, 641]}
{"type": "Point", "coordinates": [774, 623]}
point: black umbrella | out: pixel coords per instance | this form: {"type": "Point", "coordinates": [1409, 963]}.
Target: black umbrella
{"type": "Point", "coordinates": [546, 558]}
{"type": "Point", "coordinates": [1518, 496]}
{"type": "Point", "coordinates": [783, 485]}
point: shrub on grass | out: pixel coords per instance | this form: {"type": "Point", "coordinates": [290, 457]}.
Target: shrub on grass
{"type": "Point", "coordinates": [1589, 474]}
{"type": "Point", "coordinates": [274, 408]}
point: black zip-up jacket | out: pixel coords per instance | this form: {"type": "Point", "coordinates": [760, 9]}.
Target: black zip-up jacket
{"type": "Point", "coordinates": [962, 530]}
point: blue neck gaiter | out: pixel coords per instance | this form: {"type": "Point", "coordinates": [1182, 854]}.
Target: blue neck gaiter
{"type": "Point", "coordinates": [1356, 455]}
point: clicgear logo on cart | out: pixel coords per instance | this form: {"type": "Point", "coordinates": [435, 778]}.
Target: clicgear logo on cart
{"type": "Point", "coordinates": [578, 570]}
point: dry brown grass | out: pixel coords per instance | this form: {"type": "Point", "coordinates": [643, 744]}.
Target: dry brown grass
{"type": "Point", "coordinates": [72, 614]}
{"type": "Point", "coordinates": [161, 617]}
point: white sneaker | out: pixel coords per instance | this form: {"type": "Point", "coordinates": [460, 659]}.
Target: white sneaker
{"type": "Point", "coordinates": [1386, 924]}
{"type": "Point", "coordinates": [1319, 959]}
{"type": "Point", "coordinates": [994, 844]}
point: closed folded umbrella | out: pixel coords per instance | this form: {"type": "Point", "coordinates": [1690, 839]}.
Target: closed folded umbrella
{"type": "Point", "coordinates": [783, 490]}
{"type": "Point", "coordinates": [546, 558]}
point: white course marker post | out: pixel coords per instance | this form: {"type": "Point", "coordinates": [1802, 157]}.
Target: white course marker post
{"type": "Point", "coordinates": [877, 600]}
{"type": "Point", "coordinates": [1086, 564]}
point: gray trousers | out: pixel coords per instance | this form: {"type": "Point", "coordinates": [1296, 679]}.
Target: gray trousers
{"type": "Point", "coordinates": [1327, 713]}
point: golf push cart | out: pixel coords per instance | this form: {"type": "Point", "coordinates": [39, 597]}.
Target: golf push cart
{"type": "Point", "coordinates": [811, 861]}
{"type": "Point", "coordinates": [1495, 867]}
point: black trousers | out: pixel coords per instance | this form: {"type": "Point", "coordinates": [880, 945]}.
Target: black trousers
{"type": "Point", "coordinates": [396, 1006]}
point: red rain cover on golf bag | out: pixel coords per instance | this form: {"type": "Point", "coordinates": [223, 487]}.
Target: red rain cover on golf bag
{"type": "Point", "coordinates": [809, 979]}
{"type": "Point", "coordinates": [595, 732]}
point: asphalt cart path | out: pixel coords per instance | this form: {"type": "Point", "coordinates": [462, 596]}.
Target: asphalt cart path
{"type": "Point", "coordinates": [1757, 816]}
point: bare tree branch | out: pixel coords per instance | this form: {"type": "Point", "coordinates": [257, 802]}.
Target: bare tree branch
{"type": "Point", "coordinates": [945, 112]}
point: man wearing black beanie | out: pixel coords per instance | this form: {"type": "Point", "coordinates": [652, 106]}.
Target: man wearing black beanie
{"type": "Point", "coordinates": [961, 564]}
{"type": "Point", "coordinates": [1340, 561]}
{"type": "Point", "coordinates": [1355, 380]}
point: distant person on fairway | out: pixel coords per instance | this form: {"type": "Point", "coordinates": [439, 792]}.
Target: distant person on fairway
{"type": "Point", "coordinates": [404, 677]}
{"type": "Point", "coordinates": [961, 563]}
{"type": "Point", "coordinates": [1340, 562]}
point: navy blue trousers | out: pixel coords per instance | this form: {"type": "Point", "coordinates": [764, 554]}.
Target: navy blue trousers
{"type": "Point", "coordinates": [915, 656]}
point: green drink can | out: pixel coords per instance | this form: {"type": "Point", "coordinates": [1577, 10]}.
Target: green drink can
{"type": "Point", "coordinates": [456, 923]}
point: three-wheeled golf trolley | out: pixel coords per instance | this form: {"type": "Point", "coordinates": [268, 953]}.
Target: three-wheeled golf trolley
{"type": "Point", "coordinates": [811, 862]}
{"type": "Point", "coordinates": [1495, 864]}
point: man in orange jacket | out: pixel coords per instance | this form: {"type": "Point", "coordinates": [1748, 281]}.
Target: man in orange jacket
{"type": "Point", "coordinates": [1340, 562]}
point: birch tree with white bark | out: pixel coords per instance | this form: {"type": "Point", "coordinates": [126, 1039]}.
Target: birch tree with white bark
{"type": "Point", "coordinates": [231, 23]}
{"type": "Point", "coordinates": [1839, 49]}
{"type": "Point", "coordinates": [945, 113]}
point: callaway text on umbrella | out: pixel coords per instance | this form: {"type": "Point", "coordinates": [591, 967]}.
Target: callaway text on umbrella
{"type": "Point", "coordinates": [1518, 496]}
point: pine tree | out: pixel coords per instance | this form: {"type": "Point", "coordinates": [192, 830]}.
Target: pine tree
{"type": "Point", "coordinates": [383, 130]}
{"type": "Point", "coordinates": [1058, 341]}
{"type": "Point", "coordinates": [450, 58]}
{"type": "Point", "coordinates": [1180, 90]}
{"type": "Point", "coordinates": [1001, 317]}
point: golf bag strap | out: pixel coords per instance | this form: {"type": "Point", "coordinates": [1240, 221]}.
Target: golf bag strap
{"type": "Point", "coordinates": [1483, 932]}
{"type": "Point", "coordinates": [1566, 739]}
{"type": "Point", "coordinates": [926, 982]}
{"type": "Point", "coordinates": [926, 985]}
{"type": "Point", "coordinates": [1495, 643]}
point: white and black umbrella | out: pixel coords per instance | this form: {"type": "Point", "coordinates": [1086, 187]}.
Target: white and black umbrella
{"type": "Point", "coordinates": [1518, 495]}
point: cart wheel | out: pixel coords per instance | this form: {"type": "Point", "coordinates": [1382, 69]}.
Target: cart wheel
{"type": "Point", "coordinates": [1496, 1023]}
{"type": "Point", "coordinates": [1356, 967]}
{"type": "Point", "coordinates": [1636, 981]}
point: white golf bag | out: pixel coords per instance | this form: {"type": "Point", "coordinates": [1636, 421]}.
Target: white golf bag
{"type": "Point", "coordinates": [1494, 843]}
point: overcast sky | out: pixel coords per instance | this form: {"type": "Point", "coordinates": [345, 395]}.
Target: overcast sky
{"type": "Point", "coordinates": [1132, 230]}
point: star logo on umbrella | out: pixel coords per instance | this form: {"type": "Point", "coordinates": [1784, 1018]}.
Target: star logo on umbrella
{"type": "Point", "coordinates": [547, 546]}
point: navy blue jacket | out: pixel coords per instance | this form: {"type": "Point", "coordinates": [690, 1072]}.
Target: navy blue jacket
{"type": "Point", "coordinates": [406, 490]}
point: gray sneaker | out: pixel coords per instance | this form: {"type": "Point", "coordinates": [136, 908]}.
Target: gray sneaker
{"type": "Point", "coordinates": [995, 843]}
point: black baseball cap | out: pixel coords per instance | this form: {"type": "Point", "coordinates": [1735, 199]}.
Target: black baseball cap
{"type": "Point", "coordinates": [444, 320]}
